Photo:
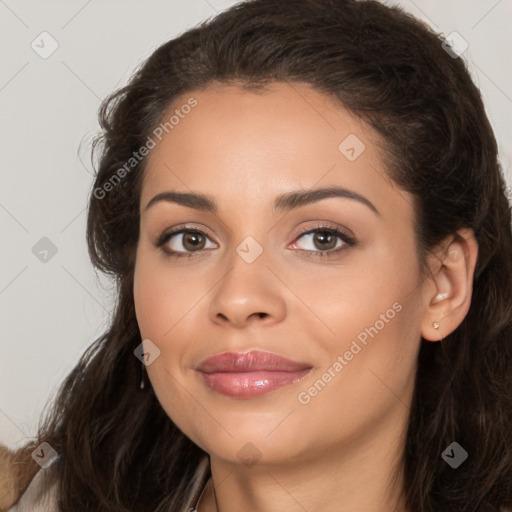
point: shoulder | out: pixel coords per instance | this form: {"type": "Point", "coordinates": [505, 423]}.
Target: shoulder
{"type": "Point", "coordinates": [11, 485]}
{"type": "Point", "coordinates": [24, 487]}
{"type": "Point", "coordinates": [38, 497]}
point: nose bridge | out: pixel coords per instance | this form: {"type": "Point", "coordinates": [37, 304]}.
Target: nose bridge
{"type": "Point", "coordinates": [248, 289]}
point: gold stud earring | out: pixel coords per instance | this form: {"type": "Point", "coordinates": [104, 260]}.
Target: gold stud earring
{"type": "Point", "coordinates": [436, 325]}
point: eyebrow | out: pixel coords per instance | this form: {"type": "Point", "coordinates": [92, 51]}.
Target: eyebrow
{"type": "Point", "coordinates": [284, 202]}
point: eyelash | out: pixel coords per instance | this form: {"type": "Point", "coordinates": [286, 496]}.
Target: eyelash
{"type": "Point", "coordinates": [345, 237]}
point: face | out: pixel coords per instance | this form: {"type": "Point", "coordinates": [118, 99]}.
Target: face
{"type": "Point", "coordinates": [312, 307]}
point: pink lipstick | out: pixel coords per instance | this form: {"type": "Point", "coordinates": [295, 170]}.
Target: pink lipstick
{"type": "Point", "coordinates": [250, 374]}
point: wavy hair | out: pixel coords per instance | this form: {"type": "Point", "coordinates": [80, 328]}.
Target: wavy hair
{"type": "Point", "coordinates": [118, 449]}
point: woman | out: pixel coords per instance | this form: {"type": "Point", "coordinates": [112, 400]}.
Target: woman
{"type": "Point", "coordinates": [342, 338]}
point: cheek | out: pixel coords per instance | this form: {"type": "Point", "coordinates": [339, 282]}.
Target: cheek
{"type": "Point", "coordinates": [369, 363]}
{"type": "Point", "coordinates": [162, 296]}
{"type": "Point", "coordinates": [363, 293]}
{"type": "Point", "coordinates": [162, 299]}
{"type": "Point", "coordinates": [373, 314]}
{"type": "Point", "coordinates": [169, 309]}
{"type": "Point", "coordinates": [149, 300]}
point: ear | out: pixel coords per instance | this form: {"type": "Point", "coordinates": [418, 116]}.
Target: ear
{"type": "Point", "coordinates": [447, 295]}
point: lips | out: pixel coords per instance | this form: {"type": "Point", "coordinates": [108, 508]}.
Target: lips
{"type": "Point", "coordinates": [250, 374]}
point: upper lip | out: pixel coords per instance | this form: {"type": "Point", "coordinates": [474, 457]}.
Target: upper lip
{"type": "Point", "coordinates": [249, 362]}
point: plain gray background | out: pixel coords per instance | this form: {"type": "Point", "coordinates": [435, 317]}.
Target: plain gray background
{"type": "Point", "coordinates": [51, 311]}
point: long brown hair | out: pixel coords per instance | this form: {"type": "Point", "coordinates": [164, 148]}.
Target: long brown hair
{"type": "Point", "coordinates": [118, 449]}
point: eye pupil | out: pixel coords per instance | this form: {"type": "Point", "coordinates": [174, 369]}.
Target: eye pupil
{"type": "Point", "coordinates": [189, 238]}
{"type": "Point", "coordinates": [321, 237]}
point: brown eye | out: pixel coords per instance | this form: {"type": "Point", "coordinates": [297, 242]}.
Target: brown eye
{"type": "Point", "coordinates": [193, 241]}
{"type": "Point", "coordinates": [183, 242]}
{"type": "Point", "coordinates": [324, 241]}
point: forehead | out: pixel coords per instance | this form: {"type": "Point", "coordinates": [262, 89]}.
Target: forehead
{"type": "Point", "coordinates": [284, 120]}
{"type": "Point", "coordinates": [236, 142]}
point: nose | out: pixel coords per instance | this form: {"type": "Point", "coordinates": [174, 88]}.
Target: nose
{"type": "Point", "coordinates": [249, 293]}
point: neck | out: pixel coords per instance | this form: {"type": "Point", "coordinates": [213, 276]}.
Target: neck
{"type": "Point", "coordinates": [351, 478]}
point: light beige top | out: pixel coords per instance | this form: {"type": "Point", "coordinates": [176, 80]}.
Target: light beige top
{"type": "Point", "coordinates": [37, 498]}
{"type": "Point", "coordinates": [41, 497]}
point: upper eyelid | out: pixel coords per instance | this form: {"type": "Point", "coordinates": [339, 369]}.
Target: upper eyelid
{"type": "Point", "coordinates": [325, 227]}
{"type": "Point", "coordinates": [167, 236]}
{"type": "Point", "coordinates": [178, 230]}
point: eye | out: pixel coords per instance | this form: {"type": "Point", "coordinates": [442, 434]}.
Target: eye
{"type": "Point", "coordinates": [325, 241]}
{"type": "Point", "coordinates": [183, 242]}
{"type": "Point", "coordinates": [322, 241]}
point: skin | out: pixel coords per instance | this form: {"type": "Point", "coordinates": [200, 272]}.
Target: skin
{"type": "Point", "coordinates": [339, 451]}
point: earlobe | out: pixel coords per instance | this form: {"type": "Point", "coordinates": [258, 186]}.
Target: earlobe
{"type": "Point", "coordinates": [448, 297]}
{"type": "Point", "coordinates": [432, 332]}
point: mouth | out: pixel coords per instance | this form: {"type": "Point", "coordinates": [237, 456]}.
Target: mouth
{"type": "Point", "coordinates": [250, 374]}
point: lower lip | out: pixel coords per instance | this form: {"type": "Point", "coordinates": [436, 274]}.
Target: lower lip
{"type": "Point", "coordinates": [251, 384]}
